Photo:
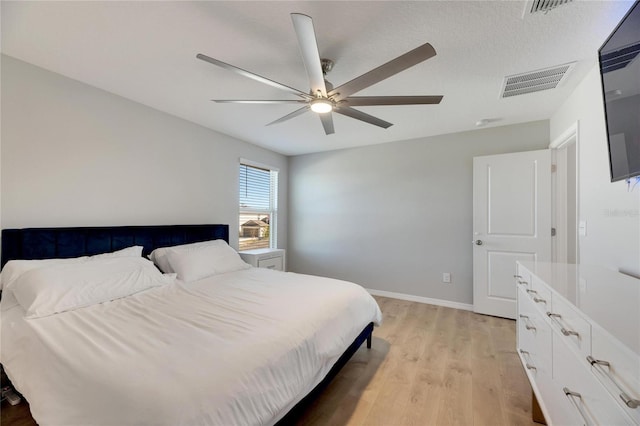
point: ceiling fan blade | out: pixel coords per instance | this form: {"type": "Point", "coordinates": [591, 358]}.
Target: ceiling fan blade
{"type": "Point", "coordinates": [265, 101]}
{"type": "Point", "coordinates": [327, 123]}
{"type": "Point", "coordinates": [359, 115]}
{"type": "Point", "coordinates": [376, 75]}
{"type": "Point", "coordinates": [391, 100]}
{"type": "Point", "coordinates": [303, 25]}
{"type": "Point", "coordinates": [252, 76]}
{"type": "Point", "coordinates": [291, 115]}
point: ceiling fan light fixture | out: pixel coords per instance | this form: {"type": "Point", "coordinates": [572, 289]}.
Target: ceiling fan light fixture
{"type": "Point", "coordinates": [321, 106]}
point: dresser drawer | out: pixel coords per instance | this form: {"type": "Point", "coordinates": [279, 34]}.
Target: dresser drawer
{"type": "Point", "coordinates": [539, 294]}
{"type": "Point", "coordinates": [271, 263]}
{"type": "Point", "coordinates": [265, 258]}
{"type": "Point", "coordinates": [618, 369]}
{"type": "Point", "coordinates": [571, 325]}
{"type": "Point", "coordinates": [534, 342]}
{"type": "Point", "coordinates": [587, 402]}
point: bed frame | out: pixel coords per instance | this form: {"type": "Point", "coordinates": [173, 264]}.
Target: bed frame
{"type": "Point", "coordinates": [49, 243]}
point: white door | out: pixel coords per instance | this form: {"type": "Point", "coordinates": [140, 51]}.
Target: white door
{"type": "Point", "coordinates": [511, 222]}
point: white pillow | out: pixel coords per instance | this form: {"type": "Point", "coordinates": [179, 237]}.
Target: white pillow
{"type": "Point", "coordinates": [197, 262]}
{"type": "Point", "coordinates": [159, 255]}
{"type": "Point", "coordinates": [64, 287]}
{"type": "Point", "coordinates": [133, 251]}
{"type": "Point", "coordinates": [14, 268]}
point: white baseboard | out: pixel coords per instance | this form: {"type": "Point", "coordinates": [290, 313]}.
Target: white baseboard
{"type": "Point", "coordinates": [420, 299]}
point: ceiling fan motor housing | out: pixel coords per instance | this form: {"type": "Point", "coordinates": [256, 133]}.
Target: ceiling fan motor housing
{"type": "Point", "coordinates": [327, 65]}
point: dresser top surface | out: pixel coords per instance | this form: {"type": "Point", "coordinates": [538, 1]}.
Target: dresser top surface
{"type": "Point", "coordinates": [608, 298]}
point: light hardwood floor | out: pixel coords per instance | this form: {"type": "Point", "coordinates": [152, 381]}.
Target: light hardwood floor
{"type": "Point", "coordinates": [428, 365]}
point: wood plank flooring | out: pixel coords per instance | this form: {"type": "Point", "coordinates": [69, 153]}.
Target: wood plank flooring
{"type": "Point", "coordinates": [428, 365]}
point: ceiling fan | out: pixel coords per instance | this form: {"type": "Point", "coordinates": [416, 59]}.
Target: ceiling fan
{"type": "Point", "coordinates": [323, 98]}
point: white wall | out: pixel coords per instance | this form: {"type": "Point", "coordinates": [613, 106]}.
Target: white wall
{"type": "Point", "coordinates": [393, 217]}
{"type": "Point", "coordinates": [74, 155]}
{"type": "Point", "coordinates": [611, 212]}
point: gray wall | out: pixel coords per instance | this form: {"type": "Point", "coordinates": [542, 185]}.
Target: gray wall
{"type": "Point", "coordinates": [393, 217]}
{"type": "Point", "coordinates": [610, 210]}
{"type": "Point", "coordinates": [74, 155]}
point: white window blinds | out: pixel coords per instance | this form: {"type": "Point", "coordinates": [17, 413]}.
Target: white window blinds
{"type": "Point", "coordinates": [255, 188]}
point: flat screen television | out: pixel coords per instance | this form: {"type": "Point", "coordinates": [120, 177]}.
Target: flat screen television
{"type": "Point", "coordinates": [619, 59]}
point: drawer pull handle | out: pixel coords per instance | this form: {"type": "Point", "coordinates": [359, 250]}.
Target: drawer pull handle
{"type": "Point", "coordinates": [536, 299]}
{"type": "Point", "coordinates": [599, 365]}
{"type": "Point", "coordinates": [526, 323]}
{"type": "Point", "coordinates": [526, 364]}
{"type": "Point", "coordinates": [520, 280]}
{"type": "Point", "coordinates": [556, 319]}
{"type": "Point", "coordinates": [572, 397]}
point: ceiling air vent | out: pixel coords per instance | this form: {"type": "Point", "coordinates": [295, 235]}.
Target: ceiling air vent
{"type": "Point", "coordinates": [534, 81]}
{"type": "Point", "coordinates": [535, 6]}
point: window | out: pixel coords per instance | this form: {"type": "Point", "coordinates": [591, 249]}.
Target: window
{"type": "Point", "coordinates": [258, 206]}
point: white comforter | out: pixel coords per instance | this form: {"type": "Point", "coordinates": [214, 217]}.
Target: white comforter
{"type": "Point", "coordinates": [234, 349]}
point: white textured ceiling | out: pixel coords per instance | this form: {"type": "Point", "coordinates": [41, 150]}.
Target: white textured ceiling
{"type": "Point", "coordinates": [145, 51]}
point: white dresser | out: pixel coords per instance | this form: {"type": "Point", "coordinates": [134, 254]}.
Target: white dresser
{"type": "Point", "coordinates": [578, 337]}
{"type": "Point", "coordinates": [264, 258]}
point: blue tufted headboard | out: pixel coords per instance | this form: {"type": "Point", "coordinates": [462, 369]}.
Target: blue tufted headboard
{"type": "Point", "coordinates": [46, 243]}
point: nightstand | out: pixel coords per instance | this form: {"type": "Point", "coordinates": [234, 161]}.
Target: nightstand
{"type": "Point", "coordinates": [264, 258]}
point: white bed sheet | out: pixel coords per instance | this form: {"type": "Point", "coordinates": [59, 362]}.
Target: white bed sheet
{"type": "Point", "coordinates": [240, 348]}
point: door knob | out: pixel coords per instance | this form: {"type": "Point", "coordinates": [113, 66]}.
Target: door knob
{"type": "Point", "coordinates": [477, 242]}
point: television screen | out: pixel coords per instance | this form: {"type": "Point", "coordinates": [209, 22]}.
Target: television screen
{"type": "Point", "coordinates": [620, 75]}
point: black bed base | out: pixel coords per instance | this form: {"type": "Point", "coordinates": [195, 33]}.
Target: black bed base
{"type": "Point", "coordinates": [294, 414]}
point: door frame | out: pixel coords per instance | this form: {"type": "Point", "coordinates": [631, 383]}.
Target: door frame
{"type": "Point", "coordinates": [559, 215]}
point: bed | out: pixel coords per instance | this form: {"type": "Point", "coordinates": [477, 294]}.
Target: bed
{"type": "Point", "coordinates": [241, 346]}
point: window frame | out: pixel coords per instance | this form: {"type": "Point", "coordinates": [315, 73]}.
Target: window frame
{"type": "Point", "coordinates": [273, 199]}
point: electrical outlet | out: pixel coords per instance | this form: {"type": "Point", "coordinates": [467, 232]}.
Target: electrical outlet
{"type": "Point", "coordinates": [446, 277]}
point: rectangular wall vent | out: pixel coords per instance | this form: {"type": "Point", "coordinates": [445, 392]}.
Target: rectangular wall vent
{"type": "Point", "coordinates": [535, 6]}
{"type": "Point", "coordinates": [620, 58]}
{"type": "Point", "coordinates": [535, 81]}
